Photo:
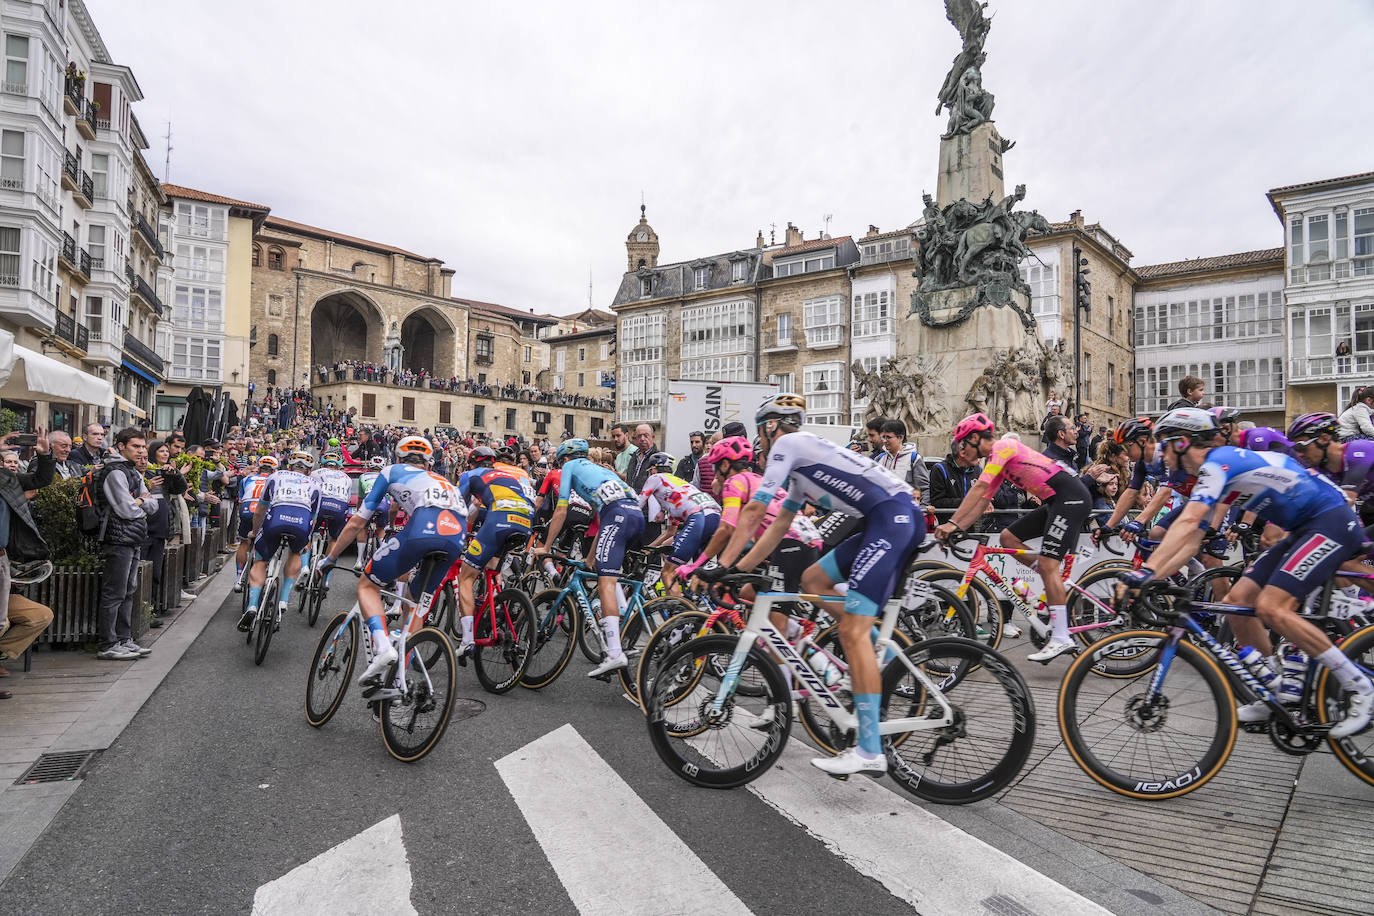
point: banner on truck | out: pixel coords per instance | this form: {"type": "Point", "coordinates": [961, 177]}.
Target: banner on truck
{"type": "Point", "coordinates": [695, 406]}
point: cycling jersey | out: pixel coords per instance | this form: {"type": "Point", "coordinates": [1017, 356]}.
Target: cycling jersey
{"type": "Point", "coordinates": [291, 488]}
{"type": "Point", "coordinates": [1022, 465]}
{"type": "Point", "coordinates": [738, 490]}
{"type": "Point", "coordinates": [292, 500]}
{"type": "Point", "coordinates": [816, 470]}
{"type": "Point", "coordinates": [413, 488]}
{"type": "Point", "coordinates": [679, 499]}
{"type": "Point", "coordinates": [335, 487]}
{"type": "Point", "coordinates": [1357, 468]}
{"type": "Point", "coordinates": [1270, 484]}
{"type": "Point", "coordinates": [250, 491]}
{"type": "Point", "coordinates": [365, 483]}
{"type": "Point", "coordinates": [501, 488]}
{"type": "Point", "coordinates": [437, 522]}
{"type": "Point", "coordinates": [599, 486]}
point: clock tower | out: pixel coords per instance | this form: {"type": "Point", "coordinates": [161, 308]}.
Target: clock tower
{"type": "Point", "coordinates": [642, 245]}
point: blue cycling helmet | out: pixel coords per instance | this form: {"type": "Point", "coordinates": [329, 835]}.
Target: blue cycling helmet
{"type": "Point", "coordinates": [573, 448]}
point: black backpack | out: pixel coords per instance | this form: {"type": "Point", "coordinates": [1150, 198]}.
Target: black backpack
{"type": "Point", "coordinates": [91, 508]}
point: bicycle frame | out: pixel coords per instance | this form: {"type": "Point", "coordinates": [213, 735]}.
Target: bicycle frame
{"type": "Point", "coordinates": [759, 627]}
{"type": "Point", "coordinates": [413, 617]}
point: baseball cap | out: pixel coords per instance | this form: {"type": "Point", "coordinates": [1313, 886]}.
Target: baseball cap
{"type": "Point", "coordinates": [734, 428]}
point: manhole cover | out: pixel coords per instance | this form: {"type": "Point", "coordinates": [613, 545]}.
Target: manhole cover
{"type": "Point", "coordinates": [56, 768]}
{"type": "Point", "coordinates": [464, 708]}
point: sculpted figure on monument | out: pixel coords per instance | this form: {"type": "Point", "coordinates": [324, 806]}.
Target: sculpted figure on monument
{"type": "Point", "coordinates": [962, 91]}
{"type": "Point", "coordinates": [908, 388]}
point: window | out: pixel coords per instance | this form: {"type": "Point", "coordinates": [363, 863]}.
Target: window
{"type": "Point", "coordinates": [525, 377]}
{"type": "Point", "coordinates": [1111, 315]}
{"type": "Point", "coordinates": [17, 64]}
{"type": "Point", "coordinates": [198, 262]}
{"type": "Point", "coordinates": [786, 382]}
{"type": "Point", "coordinates": [100, 174]}
{"type": "Point", "coordinates": [198, 307]}
{"type": "Point", "coordinates": [445, 411]}
{"type": "Point", "coordinates": [271, 376]}
{"type": "Point", "coordinates": [95, 316]}
{"type": "Point", "coordinates": [560, 360]}
{"type": "Point", "coordinates": [369, 405]}
{"type": "Point", "coordinates": [1044, 286]}
{"type": "Point", "coordinates": [274, 259]}
{"type": "Point", "coordinates": [272, 344]}
{"type": "Point", "coordinates": [568, 422]}
{"type": "Point", "coordinates": [739, 271]}
{"type": "Point", "coordinates": [646, 287]}
{"type": "Point", "coordinates": [195, 357]}
{"type": "Point", "coordinates": [804, 265]}
{"type": "Point", "coordinates": [481, 378]}
{"type": "Point", "coordinates": [581, 354]}
{"type": "Point", "coordinates": [479, 415]}
{"type": "Point", "coordinates": [510, 418]}
{"type": "Point", "coordinates": [9, 256]}
{"type": "Point", "coordinates": [48, 170]}
{"type": "Point", "coordinates": [1088, 377]}
{"type": "Point", "coordinates": [201, 221]}
{"type": "Point", "coordinates": [527, 354]}
{"type": "Point", "coordinates": [605, 350]}
{"type": "Point", "coordinates": [597, 424]}
{"type": "Point", "coordinates": [643, 338]}
{"type": "Point", "coordinates": [784, 330]}
{"type": "Point", "coordinates": [581, 379]}
{"type": "Point", "coordinates": [873, 314]}
{"type": "Point", "coordinates": [275, 306]}
{"type": "Point", "coordinates": [822, 318]}
{"type": "Point", "coordinates": [1111, 385]}
{"type": "Point", "coordinates": [484, 347]}
{"type": "Point", "coordinates": [891, 250]}
{"type": "Point", "coordinates": [44, 268]}
{"type": "Point", "coordinates": [715, 330]}
{"type": "Point", "coordinates": [12, 160]}
{"type": "Point", "coordinates": [257, 256]}
{"type": "Point", "coordinates": [643, 389]}
{"type": "Point", "coordinates": [558, 382]}
{"type": "Point", "coordinates": [701, 278]}
{"type": "Point", "coordinates": [1364, 241]}
{"type": "Point", "coordinates": [541, 419]}
{"type": "Point", "coordinates": [95, 245]}
{"type": "Point", "coordinates": [823, 387]}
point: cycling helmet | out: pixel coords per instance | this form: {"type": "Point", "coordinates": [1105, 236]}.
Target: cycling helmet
{"type": "Point", "coordinates": [301, 459]}
{"type": "Point", "coordinates": [333, 442]}
{"type": "Point", "coordinates": [1131, 430]}
{"type": "Point", "coordinates": [572, 448]}
{"type": "Point", "coordinates": [1192, 423]}
{"type": "Point", "coordinates": [787, 408]}
{"type": "Point", "coordinates": [1311, 425]}
{"type": "Point", "coordinates": [481, 455]}
{"type": "Point", "coordinates": [975, 423]}
{"type": "Point", "coordinates": [660, 461]}
{"type": "Point", "coordinates": [378, 462]}
{"type": "Point", "coordinates": [415, 450]}
{"type": "Point", "coordinates": [331, 460]}
{"type": "Point", "coordinates": [1225, 414]}
{"type": "Point", "coordinates": [736, 448]}
{"type": "Point", "coordinates": [1265, 439]}
{"type": "Point", "coordinates": [505, 454]}
{"type": "Point", "coordinates": [268, 461]}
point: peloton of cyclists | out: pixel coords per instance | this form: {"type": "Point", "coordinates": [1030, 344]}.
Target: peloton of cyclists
{"type": "Point", "coordinates": [285, 514]}
{"type": "Point", "coordinates": [506, 495]}
{"type": "Point", "coordinates": [250, 491]}
{"type": "Point", "coordinates": [335, 488]}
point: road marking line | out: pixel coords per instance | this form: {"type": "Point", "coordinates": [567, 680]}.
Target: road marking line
{"type": "Point", "coordinates": [920, 858]}
{"type": "Point", "coordinates": [589, 821]}
{"type": "Point", "coordinates": [361, 876]}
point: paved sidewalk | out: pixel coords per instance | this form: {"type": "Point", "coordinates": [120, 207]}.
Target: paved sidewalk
{"type": "Point", "coordinates": [71, 701]}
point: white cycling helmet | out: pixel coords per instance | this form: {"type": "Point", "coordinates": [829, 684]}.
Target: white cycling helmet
{"type": "Point", "coordinates": [414, 447]}
{"type": "Point", "coordinates": [301, 459]}
{"type": "Point", "coordinates": [377, 463]}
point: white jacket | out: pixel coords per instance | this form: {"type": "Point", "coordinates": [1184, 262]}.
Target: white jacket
{"type": "Point", "coordinates": [1356, 423]}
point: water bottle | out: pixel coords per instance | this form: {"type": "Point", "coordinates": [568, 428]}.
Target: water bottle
{"type": "Point", "coordinates": [1022, 591]}
{"type": "Point", "coordinates": [1294, 673]}
{"type": "Point", "coordinates": [822, 665]}
{"type": "Point", "coordinates": [1253, 659]}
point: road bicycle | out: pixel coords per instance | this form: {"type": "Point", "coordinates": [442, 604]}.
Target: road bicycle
{"type": "Point", "coordinates": [311, 587]}
{"type": "Point", "coordinates": [268, 620]}
{"type": "Point", "coordinates": [1170, 729]}
{"type": "Point", "coordinates": [412, 700]}
{"type": "Point", "coordinates": [958, 721]}
{"type": "Point", "coordinates": [503, 623]}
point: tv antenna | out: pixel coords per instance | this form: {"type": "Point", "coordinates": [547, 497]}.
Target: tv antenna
{"type": "Point", "coordinates": [825, 232]}
{"type": "Point", "coordinates": [589, 287]}
{"type": "Point", "coordinates": [167, 162]}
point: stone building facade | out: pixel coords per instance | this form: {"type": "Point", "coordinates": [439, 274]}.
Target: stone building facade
{"type": "Point", "coordinates": [583, 362]}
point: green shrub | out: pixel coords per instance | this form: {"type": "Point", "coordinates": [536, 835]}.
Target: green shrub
{"type": "Point", "coordinates": [54, 509]}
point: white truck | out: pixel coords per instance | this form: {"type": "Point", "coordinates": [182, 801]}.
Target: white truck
{"type": "Point", "coordinates": [699, 406]}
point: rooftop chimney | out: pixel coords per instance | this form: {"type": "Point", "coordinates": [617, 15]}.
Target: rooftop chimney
{"type": "Point", "coordinates": [758, 242]}
{"type": "Point", "coordinates": [794, 236]}
{"type": "Point", "coordinates": [1076, 217]}
{"type": "Point", "coordinates": [872, 231]}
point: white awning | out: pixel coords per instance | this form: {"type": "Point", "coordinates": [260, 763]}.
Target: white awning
{"type": "Point", "coordinates": [29, 376]}
{"type": "Point", "coordinates": [131, 408]}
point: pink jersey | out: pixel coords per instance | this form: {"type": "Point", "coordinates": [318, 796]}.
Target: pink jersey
{"type": "Point", "coordinates": [1022, 465]}
{"type": "Point", "coordinates": [676, 497]}
{"type": "Point", "coordinates": [738, 490]}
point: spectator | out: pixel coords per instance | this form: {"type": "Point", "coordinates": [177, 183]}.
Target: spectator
{"type": "Point", "coordinates": [61, 446]}
{"type": "Point", "coordinates": [1357, 420]}
{"type": "Point", "coordinates": [9, 460]}
{"type": "Point", "coordinates": [687, 467]}
{"type": "Point", "coordinates": [951, 478]}
{"type": "Point", "coordinates": [1063, 439]}
{"type": "Point", "coordinates": [1343, 356]}
{"type": "Point", "coordinates": [92, 450]}
{"type": "Point", "coordinates": [645, 448]}
{"type": "Point", "coordinates": [901, 459]}
{"type": "Point", "coordinates": [127, 505]}
{"type": "Point", "coordinates": [624, 450]}
{"type": "Point", "coordinates": [1097, 440]}
{"type": "Point", "coordinates": [873, 430]}
{"type": "Point", "coordinates": [1045, 438]}
{"type": "Point", "coordinates": [1084, 437]}
{"type": "Point", "coordinates": [21, 620]}
{"type": "Point", "coordinates": [1054, 404]}
{"type": "Point", "coordinates": [176, 443]}
{"type": "Point", "coordinates": [164, 482]}
{"type": "Point", "coordinates": [1192, 388]}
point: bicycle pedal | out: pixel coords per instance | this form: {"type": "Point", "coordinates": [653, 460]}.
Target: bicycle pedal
{"type": "Point", "coordinates": [603, 678]}
{"type": "Point", "coordinates": [839, 777]}
{"type": "Point", "coordinates": [1256, 728]}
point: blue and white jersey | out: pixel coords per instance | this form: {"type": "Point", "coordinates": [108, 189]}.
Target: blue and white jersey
{"type": "Point", "coordinates": [597, 485]}
{"type": "Point", "coordinates": [1270, 484]}
{"type": "Point", "coordinates": [292, 488]}
{"type": "Point", "coordinates": [817, 471]}
{"type": "Point", "coordinates": [412, 487]}
{"type": "Point", "coordinates": [335, 488]}
{"type": "Point", "coordinates": [250, 491]}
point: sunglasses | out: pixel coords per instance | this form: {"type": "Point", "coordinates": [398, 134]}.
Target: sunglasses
{"type": "Point", "coordinates": [1175, 442]}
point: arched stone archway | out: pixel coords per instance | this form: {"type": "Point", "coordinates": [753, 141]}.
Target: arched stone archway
{"type": "Point", "coordinates": [427, 342]}
{"type": "Point", "coordinates": [345, 325]}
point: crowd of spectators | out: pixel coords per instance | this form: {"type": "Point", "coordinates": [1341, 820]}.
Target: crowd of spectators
{"type": "Point", "coordinates": [363, 371]}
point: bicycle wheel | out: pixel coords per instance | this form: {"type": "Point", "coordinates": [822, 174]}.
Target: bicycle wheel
{"type": "Point", "coordinates": [331, 668]}
{"type": "Point", "coordinates": [1092, 602]}
{"type": "Point", "coordinates": [726, 749]}
{"type": "Point", "coordinates": [675, 631]}
{"type": "Point", "coordinates": [414, 723]}
{"type": "Point", "coordinates": [500, 665]}
{"type": "Point", "coordinates": [941, 615]}
{"type": "Point", "coordinates": [591, 641]}
{"type": "Point", "coordinates": [266, 624]}
{"type": "Point", "coordinates": [1212, 585]}
{"type": "Point", "coordinates": [317, 594]}
{"type": "Point", "coordinates": [991, 733]}
{"type": "Point", "coordinates": [986, 606]}
{"type": "Point", "coordinates": [443, 613]}
{"type": "Point", "coordinates": [555, 633]}
{"type": "Point", "coordinates": [1356, 752]}
{"type": "Point", "coordinates": [824, 732]}
{"type": "Point", "coordinates": [1142, 746]}
{"type": "Point", "coordinates": [634, 636]}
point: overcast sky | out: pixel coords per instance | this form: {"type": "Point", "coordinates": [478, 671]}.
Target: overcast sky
{"type": "Point", "coordinates": [513, 140]}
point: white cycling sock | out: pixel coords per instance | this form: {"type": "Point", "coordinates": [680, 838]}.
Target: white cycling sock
{"type": "Point", "coordinates": [467, 630]}
{"type": "Point", "coordinates": [794, 629]}
{"type": "Point", "coordinates": [1345, 671]}
{"type": "Point", "coordinates": [1059, 624]}
{"type": "Point", "coordinates": [610, 626]}
{"type": "Point", "coordinates": [380, 640]}
{"type": "Point", "coordinates": [621, 602]}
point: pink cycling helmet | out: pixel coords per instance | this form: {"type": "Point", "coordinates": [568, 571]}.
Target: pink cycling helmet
{"type": "Point", "coordinates": [736, 448]}
{"type": "Point", "coordinates": [977, 423]}
{"type": "Point", "coordinates": [1265, 439]}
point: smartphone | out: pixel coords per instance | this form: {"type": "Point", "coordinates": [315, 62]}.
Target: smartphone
{"type": "Point", "coordinates": [25, 440]}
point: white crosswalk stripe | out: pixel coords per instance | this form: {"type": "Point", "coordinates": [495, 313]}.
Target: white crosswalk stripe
{"type": "Point", "coordinates": [363, 875]}
{"type": "Point", "coordinates": [588, 819]}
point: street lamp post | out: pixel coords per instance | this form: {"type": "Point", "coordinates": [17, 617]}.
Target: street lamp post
{"type": "Point", "coordinates": [1082, 302]}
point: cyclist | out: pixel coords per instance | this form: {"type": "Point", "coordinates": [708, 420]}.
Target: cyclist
{"type": "Point", "coordinates": [621, 526]}
{"type": "Point", "coordinates": [250, 491]}
{"type": "Point", "coordinates": [695, 515]}
{"type": "Point", "coordinates": [1323, 532]}
{"type": "Point", "coordinates": [507, 497]}
{"type": "Point", "coordinates": [1347, 464]}
{"type": "Point", "coordinates": [335, 487]}
{"type": "Point", "coordinates": [1266, 439]}
{"type": "Point", "coordinates": [437, 523]}
{"type": "Point", "coordinates": [284, 515]}
{"type": "Point", "coordinates": [1065, 507]}
{"type": "Point", "coordinates": [1137, 438]}
{"type": "Point", "coordinates": [815, 470]}
{"type": "Point", "coordinates": [365, 482]}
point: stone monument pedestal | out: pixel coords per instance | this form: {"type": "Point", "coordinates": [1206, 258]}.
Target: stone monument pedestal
{"type": "Point", "coordinates": [965, 351]}
{"type": "Point", "coordinates": [971, 167]}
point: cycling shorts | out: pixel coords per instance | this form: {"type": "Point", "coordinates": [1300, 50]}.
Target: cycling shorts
{"type": "Point", "coordinates": [786, 566]}
{"type": "Point", "coordinates": [284, 524]}
{"type": "Point", "coordinates": [622, 526]}
{"type": "Point", "coordinates": [245, 524]}
{"type": "Point", "coordinates": [1310, 554]}
{"type": "Point", "coordinates": [332, 518]}
{"type": "Point", "coordinates": [430, 529]}
{"type": "Point", "coordinates": [1060, 520]}
{"type": "Point", "coordinates": [873, 558]}
{"type": "Point", "coordinates": [491, 540]}
{"type": "Point", "coordinates": [1216, 547]}
{"type": "Point", "coordinates": [693, 534]}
